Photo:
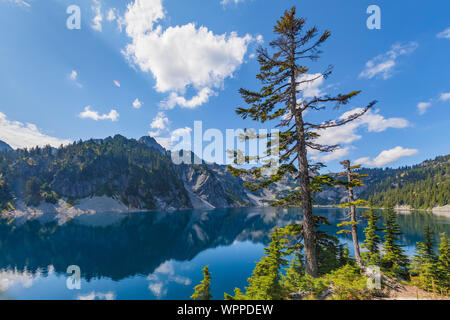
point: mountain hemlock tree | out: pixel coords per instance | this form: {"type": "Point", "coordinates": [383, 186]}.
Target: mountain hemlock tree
{"type": "Point", "coordinates": [372, 240]}
{"type": "Point", "coordinates": [280, 98]}
{"type": "Point", "coordinates": [424, 261]}
{"type": "Point", "coordinates": [353, 181]}
{"type": "Point", "coordinates": [202, 291]}
{"type": "Point", "coordinates": [266, 282]}
{"type": "Point", "coordinates": [443, 264]}
{"type": "Point", "coordinates": [394, 259]}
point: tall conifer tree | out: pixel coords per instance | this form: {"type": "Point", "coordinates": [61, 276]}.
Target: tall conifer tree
{"type": "Point", "coordinates": [284, 78]}
{"type": "Point", "coordinates": [353, 181]}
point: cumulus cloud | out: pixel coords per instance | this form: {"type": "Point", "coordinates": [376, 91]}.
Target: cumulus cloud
{"type": "Point", "coordinates": [423, 106]}
{"type": "Point", "coordinates": [327, 157]}
{"type": "Point", "coordinates": [445, 96]}
{"type": "Point", "coordinates": [98, 18]}
{"type": "Point", "coordinates": [175, 99]}
{"type": "Point", "coordinates": [383, 64]}
{"type": "Point", "coordinates": [97, 296]}
{"type": "Point", "coordinates": [444, 34]}
{"type": "Point", "coordinates": [159, 124]}
{"type": "Point", "coordinates": [310, 89]}
{"type": "Point", "coordinates": [169, 141]}
{"type": "Point", "coordinates": [387, 156]}
{"type": "Point", "coordinates": [372, 120]}
{"type": "Point", "coordinates": [181, 57]}
{"type": "Point", "coordinates": [137, 104]}
{"type": "Point", "coordinates": [20, 135]}
{"type": "Point", "coordinates": [88, 113]}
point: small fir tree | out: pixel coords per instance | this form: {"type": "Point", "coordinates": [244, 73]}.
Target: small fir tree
{"type": "Point", "coordinates": [202, 291]}
{"type": "Point", "coordinates": [372, 240]}
{"type": "Point", "coordinates": [394, 259]}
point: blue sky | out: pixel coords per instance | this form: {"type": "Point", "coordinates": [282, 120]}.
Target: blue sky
{"type": "Point", "coordinates": [155, 66]}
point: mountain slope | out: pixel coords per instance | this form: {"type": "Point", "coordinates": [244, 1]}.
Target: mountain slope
{"type": "Point", "coordinates": [140, 174]}
{"type": "Point", "coordinates": [423, 186]}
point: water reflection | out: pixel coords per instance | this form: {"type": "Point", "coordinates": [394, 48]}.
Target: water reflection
{"type": "Point", "coordinates": [146, 245]}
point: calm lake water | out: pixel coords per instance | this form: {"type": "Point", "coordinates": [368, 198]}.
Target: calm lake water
{"type": "Point", "coordinates": [153, 255]}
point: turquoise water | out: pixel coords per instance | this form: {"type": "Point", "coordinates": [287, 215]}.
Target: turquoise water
{"type": "Point", "coordinates": [153, 255]}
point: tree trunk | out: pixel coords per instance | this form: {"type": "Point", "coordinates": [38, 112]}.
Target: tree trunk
{"type": "Point", "coordinates": [311, 267]}
{"type": "Point", "coordinates": [308, 219]}
{"type": "Point", "coordinates": [358, 258]}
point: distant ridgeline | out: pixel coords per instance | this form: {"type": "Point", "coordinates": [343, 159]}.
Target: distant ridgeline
{"type": "Point", "coordinates": [138, 173]}
{"type": "Point", "coordinates": [141, 175]}
{"type": "Point", "coordinates": [422, 186]}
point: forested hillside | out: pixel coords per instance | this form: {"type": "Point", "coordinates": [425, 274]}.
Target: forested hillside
{"type": "Point", "coordinates": [422, 186]}
{"type": "Point", "coordinates": [141, 174]}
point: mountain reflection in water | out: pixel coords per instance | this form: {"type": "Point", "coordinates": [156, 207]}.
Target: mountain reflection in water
{"type": "Point", "coordinates": [137, 249]}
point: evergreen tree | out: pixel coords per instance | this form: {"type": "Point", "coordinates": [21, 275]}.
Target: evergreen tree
{"type": "Point", "coordinates": [266, 280]}
{"type": "Point", "coordinates": [202, 291]}
{"type": "Point", "coordinates": [443, 264]}
{"type": "Point", "coordinates": [424, 261]}
{"type": "Point", "coordinates": [353, 181]}
{"type": "Point", "coordinates": [283, 80]}
{"type": "Point", "coordinates": [372, 240]}
{"type": "Point", "coordinates": [394, 259]}
{"type": "Point", "coordinates": [294, 278]}
{"type": "Point", "coordinates": [5, 195]}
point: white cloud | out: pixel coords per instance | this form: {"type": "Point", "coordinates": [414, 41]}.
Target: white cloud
{"type": "Point", "coordinates": [159, 124]}
{"type": "Point", "coordinates": [310, 89]}
{"type": "Point", "coordinates": [20, 135]}
{"type": "Point", "coordinates": [181, 57]}
{"type": "Point", "coordinates": [74, 77]}
{"type": "Point", "coordinates": [168, 142]}
{"type": "Point", "coordinates": [98, 19]}
{"type": "Point", "coordinates": [116, 83]}
{"type": "Point", "coordinates": [423, 106]}
{"type": "Point", "coordinates": [98, 296]}
{"type": "Point", "coordinates": [225, 2]}
{"type": "Point", "coordinates": [20, 3]}
{"type": "Point", "coordinates": [327, 157]}
{"type": "Point", "coordinates": [348, 133]}
{"type": "Point", "coordinates": [112, 14]}
{"type": "Point", "coordinates": [445, 96]}
{"type": "Point", "coordinates": [387, 156]}
{"type": "Point", "coordinates": [175, 99]}
{"type": "Point", "coordinates": [137, 104]}
{"type": "Point", "coordinates": [383, 64]}
{"type": "Point", "coordinates": [444, 34]}
{"type": "Point", "coordinates": [113, 115]}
